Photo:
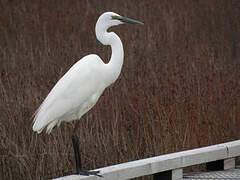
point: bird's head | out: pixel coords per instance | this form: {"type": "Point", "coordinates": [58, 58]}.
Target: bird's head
{"type": "Point", "coordinates": [109, 19]}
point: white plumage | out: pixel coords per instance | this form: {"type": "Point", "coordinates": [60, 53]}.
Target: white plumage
{"type": "Point", "coordinates": [80, 88]}
{"type": "Point", "coordinates": [73, 95]}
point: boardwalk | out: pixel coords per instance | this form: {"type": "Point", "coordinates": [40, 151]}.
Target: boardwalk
{"type": "Point", "coordinates": [219, 159]}
{"type": "Point", "coordinates": [231, 174]}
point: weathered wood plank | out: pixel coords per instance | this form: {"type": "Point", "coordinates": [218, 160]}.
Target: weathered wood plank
{"type": "Point", "coordinates": [229, 163]}
{"type": "Point", "coordinates": [166, 162]}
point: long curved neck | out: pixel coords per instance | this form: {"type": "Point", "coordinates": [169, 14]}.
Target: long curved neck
{"type": "Point", "coordinates": [114, 66]}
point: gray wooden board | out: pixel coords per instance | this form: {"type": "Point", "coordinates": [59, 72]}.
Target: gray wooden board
{"type": "Point", "coordinates": [232, 174]}
{"type": "Point", "coordinates": [165, 162]}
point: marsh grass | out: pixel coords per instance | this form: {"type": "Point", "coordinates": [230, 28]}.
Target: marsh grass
{"type": "Point", "coordinates": [179, 88]}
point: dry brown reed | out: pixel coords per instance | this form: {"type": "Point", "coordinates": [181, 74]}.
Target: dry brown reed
{"type": "Point", "coordinates": [179, 88]}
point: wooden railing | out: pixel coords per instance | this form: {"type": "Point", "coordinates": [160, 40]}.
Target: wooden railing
{"type": "Point", "coordinates": [170, 166]}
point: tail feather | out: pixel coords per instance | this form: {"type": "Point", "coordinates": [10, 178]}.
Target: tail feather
{"type": "Point", "coordinates": [40, 119]}
{"type": "Point", "coordinates": [38, 126]}
{"type": "Point", "coordinates": [44, 118]}
{"type": "Point", "coordinates": [50, 126]}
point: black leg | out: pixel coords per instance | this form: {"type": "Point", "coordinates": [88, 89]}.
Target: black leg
{"type": "Point", "coordinates": [76, 153]}
{"type": "Point", "coordinates": [78, 159]}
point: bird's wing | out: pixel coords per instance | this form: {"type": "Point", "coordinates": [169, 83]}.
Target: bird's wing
{"type": "Point", "coordinates": [72, 90]}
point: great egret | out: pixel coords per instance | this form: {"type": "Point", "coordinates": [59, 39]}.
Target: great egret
{"type": "Point", "coordinates": [80, 88]}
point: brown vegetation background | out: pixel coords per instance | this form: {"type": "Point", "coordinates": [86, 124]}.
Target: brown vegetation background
{"type": "Point", "coordinates": [179, 88]}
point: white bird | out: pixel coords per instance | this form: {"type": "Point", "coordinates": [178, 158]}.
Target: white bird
{"type": "Point", "coordinates": [80, 88]}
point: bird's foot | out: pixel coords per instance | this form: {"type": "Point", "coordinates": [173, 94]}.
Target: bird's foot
{"type": "Point", "coordinates": [88, 173]}
{"type": "Point", "coordinates": [79, 169]}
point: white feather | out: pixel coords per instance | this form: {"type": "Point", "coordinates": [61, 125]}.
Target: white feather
{"type": "Point", "coordinates": [80, 88]}
{"type": "Point", "coordinates": [73, 95]}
